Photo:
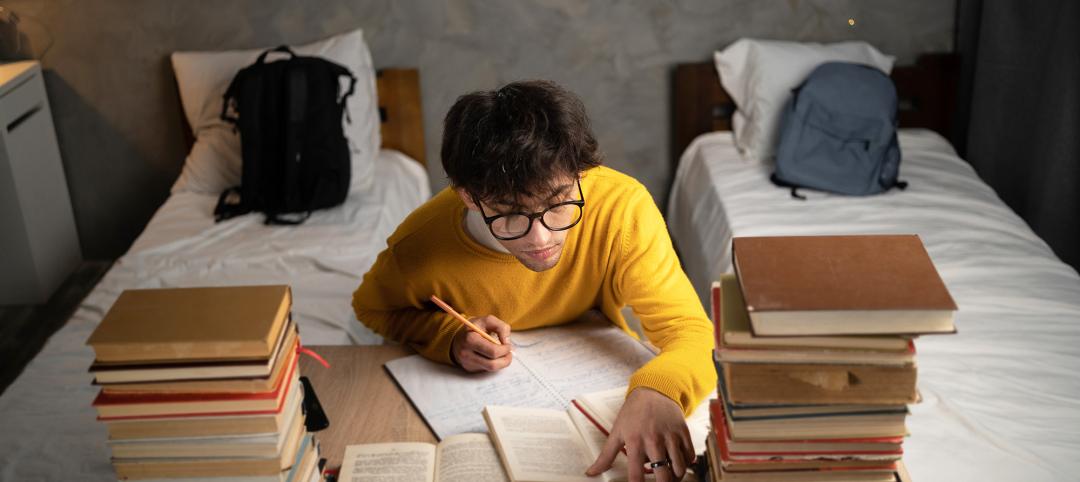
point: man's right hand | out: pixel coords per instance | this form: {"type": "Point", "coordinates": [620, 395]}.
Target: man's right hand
{"type": "Point", "coordinates": [473, 353]}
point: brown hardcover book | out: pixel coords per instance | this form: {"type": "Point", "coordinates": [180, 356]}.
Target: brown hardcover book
{"type": "Point", "coordinates": [738, 334]}
{"type": "Point", "coordinates": [840, 435]}
{"type": "Point", "coordinates": [717, 471]}
{"type": "Point", "coordinates": [206, 425]}
{"type": "Point", "coordinates": [185, 324]}
{"type": "Point", "coordinates": [263, 445]}
{"type": "Point", "coordinates": [135, 406]}
{"type": "Point", "coordinates": [175, 467]}
{"type": "Point", "coordinates": [246, 377]}
{"type": "Point", "coordinates": [736, 344]}
{"type": "Point", "coordinates": [841, 285]}
{"type": "Point", "coordinates": [841, 427]}
{"type": "Point", "coordinates": [800, 383]}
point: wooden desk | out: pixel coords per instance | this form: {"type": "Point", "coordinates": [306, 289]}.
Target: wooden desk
{"type": "Point", "coordinates": [363, 403]}
{"type": "Point", "coordinates": [361, 400]}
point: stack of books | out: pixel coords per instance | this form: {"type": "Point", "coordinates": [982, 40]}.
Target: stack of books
{"type": "Point", "coordinates": [203, 383]}
{"type": "Point", "coordinates": [815, 356]}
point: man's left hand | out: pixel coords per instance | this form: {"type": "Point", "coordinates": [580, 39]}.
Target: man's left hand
{"type": "Point", "coordinates": [652, 428]}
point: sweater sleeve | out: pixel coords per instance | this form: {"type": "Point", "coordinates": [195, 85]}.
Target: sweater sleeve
{"type": "Point", "coordinates": [650, 280]}
{"type": "Point", "coordinates": [386, 303]}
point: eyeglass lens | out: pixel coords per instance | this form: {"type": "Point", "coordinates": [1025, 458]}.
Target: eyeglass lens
{"type": "Point", "coordinates": [555, 218]}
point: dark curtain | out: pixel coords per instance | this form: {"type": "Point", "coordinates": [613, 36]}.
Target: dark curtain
{"type": "Point", "coordinates": [1019, 110]}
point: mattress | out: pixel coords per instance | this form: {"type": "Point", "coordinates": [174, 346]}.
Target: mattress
{"type": "Point", "coordinates": [1001, 399]}
{"type": "Point", "coordinates": [47, 426]}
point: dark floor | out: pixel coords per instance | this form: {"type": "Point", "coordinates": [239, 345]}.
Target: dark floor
{"type": "Point", "coordinates": [25, 329]}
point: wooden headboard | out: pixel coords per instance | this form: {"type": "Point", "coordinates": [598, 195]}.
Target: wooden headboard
{"type": "Point", "coordinates": [927, 93]}
{"type": "Point", "coordinates": [400, 111]}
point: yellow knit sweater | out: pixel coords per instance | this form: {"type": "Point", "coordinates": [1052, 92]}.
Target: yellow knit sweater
{"type": "Point", "coordinates": [619, 254]}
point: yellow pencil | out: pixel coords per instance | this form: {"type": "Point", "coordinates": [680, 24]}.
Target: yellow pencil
{"type": "Point", "coordinates": [468, 324]}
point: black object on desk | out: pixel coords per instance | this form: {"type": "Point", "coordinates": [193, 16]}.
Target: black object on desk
{"type": "Point", "coordinates": [316, 419]}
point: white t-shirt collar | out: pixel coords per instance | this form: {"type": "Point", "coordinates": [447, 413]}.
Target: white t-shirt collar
{"type": "Point", "coordinates": [477, 229]}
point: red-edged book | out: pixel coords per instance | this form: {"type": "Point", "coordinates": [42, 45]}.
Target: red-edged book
{"type": "Point", "coordinates": [848, 453]}
{"type": "Point", "coordinates": [111, 406]}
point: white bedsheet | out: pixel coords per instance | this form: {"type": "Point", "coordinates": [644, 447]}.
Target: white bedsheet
{"type": "Point", "coordinates": [1002, 397]}
{"type": "Point", "coordinates": [48, 429]}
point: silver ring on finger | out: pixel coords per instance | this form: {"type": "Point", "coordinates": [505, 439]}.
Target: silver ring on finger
{"type": "Point", "coordinates": [657, 464]}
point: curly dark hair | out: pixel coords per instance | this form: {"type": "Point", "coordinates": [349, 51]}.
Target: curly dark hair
{"type": "Point", "coordinates": [516, 142]}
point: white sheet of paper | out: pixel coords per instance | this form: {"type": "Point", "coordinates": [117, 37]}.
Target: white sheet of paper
{"type": "Point", "coordinates": [551, 367]}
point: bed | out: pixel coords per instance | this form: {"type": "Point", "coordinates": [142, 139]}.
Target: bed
{"type": "Point", "coordinates": [1002, 397]}
{"type": "Point", "coordinates": [48, 429]}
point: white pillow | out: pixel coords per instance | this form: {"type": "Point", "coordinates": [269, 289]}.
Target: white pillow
{"type": "Point", "coordinates": [214, 163]}
{"type": "Point", "coordinates": [760, 74]}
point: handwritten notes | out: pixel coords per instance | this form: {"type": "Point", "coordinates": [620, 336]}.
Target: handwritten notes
{"type": "Point", "coordinates": [551, 367]}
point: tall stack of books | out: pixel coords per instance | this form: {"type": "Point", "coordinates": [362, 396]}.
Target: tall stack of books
{"type": "Point", "coordinates": [815, 356]}
{"type": "Point", "coordinates": [203, 383]}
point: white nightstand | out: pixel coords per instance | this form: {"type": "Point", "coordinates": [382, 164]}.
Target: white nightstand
{"type": "Point", "coordinates": [39, 246]}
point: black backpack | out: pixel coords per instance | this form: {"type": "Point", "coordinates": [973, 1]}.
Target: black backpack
{"type": "Point", "coordinates": [295, 155]}
{"type": "Point", "coordinates": [838, 133]}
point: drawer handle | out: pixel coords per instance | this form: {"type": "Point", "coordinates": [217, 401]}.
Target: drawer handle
{"type": "Point", "coordinates": [26, 115]}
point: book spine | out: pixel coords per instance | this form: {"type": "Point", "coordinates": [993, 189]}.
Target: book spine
{"type": "Point", "coordinates": [281, 383]}
{"type": "Point", "coordinates": [718, 418]}
{"type": "Point", "coordinates": [718, 332]}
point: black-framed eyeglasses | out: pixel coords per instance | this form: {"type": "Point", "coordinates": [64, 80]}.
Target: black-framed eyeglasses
{"type": "Point", "coordinates": [558, 217]}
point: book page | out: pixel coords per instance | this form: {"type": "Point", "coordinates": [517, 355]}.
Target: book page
{"type": "Point", "coordinates": [607, 403]}
{"type": "Point", "coordinates": [604, 405]}
{"type": "Point", "coordinates": [594, 441]}
{"type": "Point", "coordinates": [538, 445]}
{"type": "Point", "coordinates": [698, 423]}
{"type": "Point", "coordinates": [388, 462]}
{"type": "Point", "coordinates": [469, 457]}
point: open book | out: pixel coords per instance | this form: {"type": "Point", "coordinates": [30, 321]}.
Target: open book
{"type": "Point", "coordinates": [534, 445]}
{"type": "Point", "coordinates": [551, 367]}
{"type": "Point", "coordinates": [462, 458]}
{"type": "Point", "coordinates": [558, 454]}
{"type": "Point", "coordinates": [541, 445]}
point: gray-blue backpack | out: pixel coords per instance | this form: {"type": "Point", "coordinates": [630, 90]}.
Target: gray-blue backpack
{"type": "Point", "coordinates": [838, 133]}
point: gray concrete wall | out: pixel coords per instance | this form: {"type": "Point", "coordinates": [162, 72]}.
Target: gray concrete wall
{"type": "Point", "coordinates": [118, 115]}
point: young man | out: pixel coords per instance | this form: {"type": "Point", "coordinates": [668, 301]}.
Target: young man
{"type": "Point", "coordinates": [534, 232]}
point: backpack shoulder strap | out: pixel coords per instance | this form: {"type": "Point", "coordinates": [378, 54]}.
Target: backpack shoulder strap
{"type": "Point", "coordinates": [345, 96]}
{"type": "Point", "coordinates": [275, 219]}
{"type": "Point", "coordinates": [230, 95]}
{"type": "Point", "coordinates": [794, 189]}
{"type": "Point", "coordinates": [340, 71]}
{"type": "Point", "coordinates": [352, 86]}
{"type": "Point", "coordinates": [280, 48]}
{"type": "Point", "coordinates": [226, 208]}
